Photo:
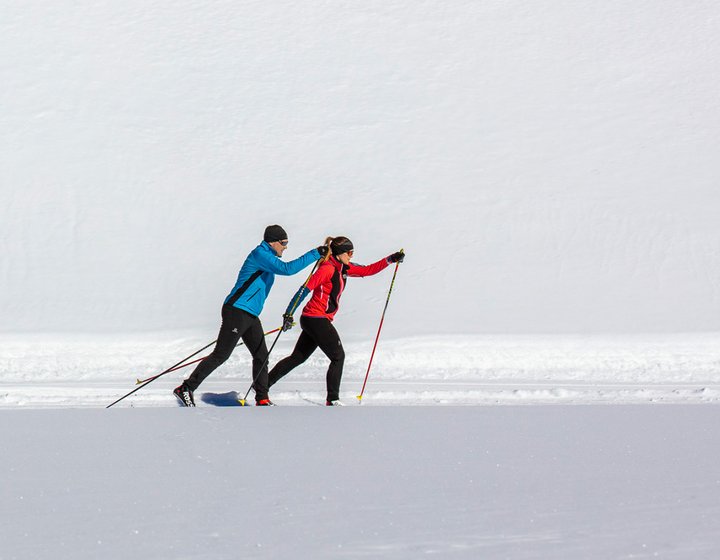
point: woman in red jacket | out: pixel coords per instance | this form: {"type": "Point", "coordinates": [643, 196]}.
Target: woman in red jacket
{"type": "Point", "coordinates": [327, 285]}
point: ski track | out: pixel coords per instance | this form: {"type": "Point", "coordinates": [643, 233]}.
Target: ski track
{"type": "Point", "coordinates": [519, 482]}
{"type": "Point", "coordinates": [383, 393]}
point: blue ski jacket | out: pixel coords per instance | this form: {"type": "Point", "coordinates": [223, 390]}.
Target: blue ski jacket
{"type": "Point", "coordinates": [257, 276]}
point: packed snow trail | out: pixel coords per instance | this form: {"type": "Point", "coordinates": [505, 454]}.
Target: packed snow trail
{"type": "Point", "coordinates": [591, 482]}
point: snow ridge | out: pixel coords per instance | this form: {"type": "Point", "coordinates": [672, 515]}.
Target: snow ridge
{"type": "Point", "coordinates": [93, 370]}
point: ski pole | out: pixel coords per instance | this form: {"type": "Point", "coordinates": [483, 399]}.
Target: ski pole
{"type": "Point", "coordinates": [162, 373]}
{"type": "Point", "coordinates": [181, 365]}
{"type": "Point", "coordinates": [377, 337]}
{"type": "Point", "coordinates": [243, 401]}
{"type": "Point", "coordinates": [138, 381]}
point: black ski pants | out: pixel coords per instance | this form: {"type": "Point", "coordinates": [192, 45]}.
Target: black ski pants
{"type": "Point", "coordinates": [236, 324]}
{"type": "Point", "coordinates": [316, 332]}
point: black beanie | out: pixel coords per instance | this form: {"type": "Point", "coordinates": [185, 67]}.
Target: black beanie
{"type": "Point", "coordinates": [274, 233]}
{"type": "Point", "coordinates": [340, 247]}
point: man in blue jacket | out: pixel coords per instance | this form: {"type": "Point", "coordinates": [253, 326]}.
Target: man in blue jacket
{"type": "Point", "coordinates": [241, 311]}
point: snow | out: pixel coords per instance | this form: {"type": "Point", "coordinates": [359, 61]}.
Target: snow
{"type": "Point", "coordinates": [393, 482]}
{"type": "Point", "coordinates": [555, 166]}
{"type": "Point", "coordinates": [548, 379]}
{"type": "Point", "coordinates": [429, 465]}
{"type": "Point", "coordinates": [463, 447]}
{"type": "Point", "coordinates": [94, 370]}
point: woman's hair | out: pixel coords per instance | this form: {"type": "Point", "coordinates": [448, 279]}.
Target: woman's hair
{"type": "Point", "coordinates": [339, 245]}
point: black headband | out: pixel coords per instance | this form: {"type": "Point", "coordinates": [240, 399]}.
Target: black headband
{"type": "Point", "coordinates": [341, 248]}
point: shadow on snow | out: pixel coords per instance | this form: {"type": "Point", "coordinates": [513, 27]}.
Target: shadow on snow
{"type": "Point", "coordinates": [221, 399]}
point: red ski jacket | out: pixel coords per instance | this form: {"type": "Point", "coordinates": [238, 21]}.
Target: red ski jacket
{"type": "Point", "coordinates": [328, 283]}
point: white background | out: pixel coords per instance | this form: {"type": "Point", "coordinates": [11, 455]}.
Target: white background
{"type": "Point", "coordinates": [548, 167]}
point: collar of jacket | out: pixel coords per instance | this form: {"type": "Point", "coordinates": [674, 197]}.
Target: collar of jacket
{"type": "Point", "coordinates": [336, 263]}
{"type": "Point", "coordinates": [265, 245]}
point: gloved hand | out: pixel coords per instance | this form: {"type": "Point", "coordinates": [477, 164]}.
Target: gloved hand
{"type": "Point", "coordinates": [396, 257]}
{"type": "Point", "coordinates": [287, 322]}
{"type": "Point", "coordinates": [323, 250]}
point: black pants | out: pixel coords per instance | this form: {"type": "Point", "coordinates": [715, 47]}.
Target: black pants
{"type": "Point", "coordinates": [236, 324]}
{"type": "Point", "coordinates": [316, 331]}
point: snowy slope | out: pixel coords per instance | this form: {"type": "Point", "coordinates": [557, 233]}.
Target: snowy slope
{"type": "Point", "coordinates": [81, 371]}
{"type": "Point", "coordinates": [317, 483]}
{"type": "Point", "coordinates": [549, 167]}
{"type": "Point", "coordinates": [551, 170]}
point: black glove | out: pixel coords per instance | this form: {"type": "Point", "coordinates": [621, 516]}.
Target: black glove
{"type": "Point", "coordinates": [323, 250]}
{"type": "Point", "coordinates": [287, 322]}
{"type": "Point", "coordinates": [396, 257]}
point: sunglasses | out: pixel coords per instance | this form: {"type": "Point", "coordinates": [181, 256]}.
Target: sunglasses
{"type": "Point", "coordinates": [283, 243]}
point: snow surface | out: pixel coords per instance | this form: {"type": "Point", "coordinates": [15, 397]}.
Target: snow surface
{"type": "Point", "coordinates": [591, 482]}
{"type": "Point", "coordinates": [429, 465]}
{"type": "Point", "coordinates": [86, 370]}
{"type": "Point", "coordinates": [549, 168]}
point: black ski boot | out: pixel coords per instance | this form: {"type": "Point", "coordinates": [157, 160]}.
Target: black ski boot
{"type": "Point", "coordinates": [184, 395]}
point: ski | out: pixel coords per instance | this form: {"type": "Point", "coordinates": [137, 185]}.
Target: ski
{"type": "Point", "coordinates": [309, 400]}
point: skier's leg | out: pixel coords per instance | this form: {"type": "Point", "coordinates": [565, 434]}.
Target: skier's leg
{"type": "Point", "coordinates": [304, 347]}
{"type": "Point", "coordinates": [226, 342]}
{"type": "Point", "coordinates": [329, 342]}
{"type": "Point", "coordinates": [254, 339]}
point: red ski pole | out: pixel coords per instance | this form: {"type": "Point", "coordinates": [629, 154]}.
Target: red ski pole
{"type": "Point", "coordinates": [168, 370]}
{"type": "Point", "coordinates": [377, 337]}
